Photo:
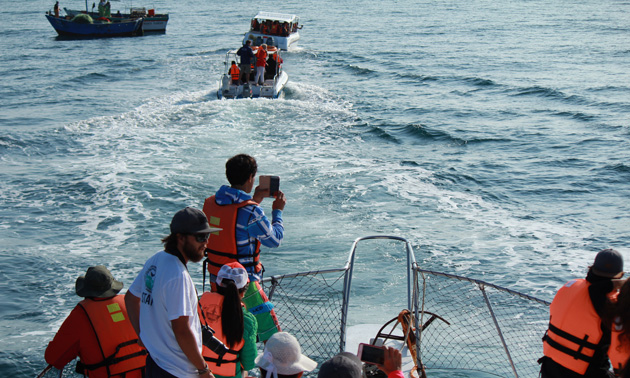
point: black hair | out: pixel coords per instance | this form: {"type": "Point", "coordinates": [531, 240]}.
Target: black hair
{"type": "Point", "coordinates": [263, 373]}
{"type": "Point", "coordinates": [231, 313]}
{"type": "Point", "coordinates": [240, 168]}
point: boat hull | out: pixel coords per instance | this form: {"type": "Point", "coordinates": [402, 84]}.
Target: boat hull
{"type": "Point", "coordinates": [270, 89]}
{"type": "Point", "coordinates": [156, 22]}
{"type": "Point", "coordinates": [98, 29]}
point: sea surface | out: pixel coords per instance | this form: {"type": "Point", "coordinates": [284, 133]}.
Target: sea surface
{"type": "Point", "coordinates": [494, 135]}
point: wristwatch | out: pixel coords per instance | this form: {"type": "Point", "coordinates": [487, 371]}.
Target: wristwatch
{"type": "Point", "coordinates": [204, 370]}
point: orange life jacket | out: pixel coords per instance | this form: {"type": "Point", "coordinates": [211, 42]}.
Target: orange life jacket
{"type": "Point", "coordinates": [115, 335]}
{"type": "Point", "coordinates": [221, 247]}
{"type": "Point", "coordinates": [618, 352]}
{"type": "Point", "coordinates": [575, 329]}
{"type": "Point", "coordinates": [235, 72]}
{"type": "Point", "coordinates": [211, 304]}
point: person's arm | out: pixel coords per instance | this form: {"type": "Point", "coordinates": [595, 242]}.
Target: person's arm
{"type": "Point", "coordinates": [64, 347]}
{"type": "Point", "coordinates": [270, 234]}
{"type": "Point", "coordinates": [247, 355]}
{"type": "Point", "coordinates": [393, 363]}
{"type": "Point", "coordinates": [132, 303]}
{"type": "Point", "coordinates": [187, 342]}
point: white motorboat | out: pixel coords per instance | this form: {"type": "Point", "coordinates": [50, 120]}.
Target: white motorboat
{"type": "Point", "coordinates": [274, 81]}
{"type": "Point", "coordinates": [274, 29]}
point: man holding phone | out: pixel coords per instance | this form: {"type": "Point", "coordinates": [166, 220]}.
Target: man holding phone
{"type": "Point", "coordinates": [245, 228]}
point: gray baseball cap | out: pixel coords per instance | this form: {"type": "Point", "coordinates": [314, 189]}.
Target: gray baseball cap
{"type": "Point", "coordinates": [191, 221]}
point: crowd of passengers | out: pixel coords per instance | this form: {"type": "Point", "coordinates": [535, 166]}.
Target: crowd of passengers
{"type": "Point", "coordinates": [274, 27]}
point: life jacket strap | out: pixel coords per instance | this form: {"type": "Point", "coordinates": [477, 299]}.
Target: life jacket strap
{"type": "Point", "coordinates": [576, 354]}
{"type": "Point", "coordinates": [221, 360]}
{"type": "Point", "coordinates": [112, 359]}
{"type": "Point", "coordinates": [232, 256]}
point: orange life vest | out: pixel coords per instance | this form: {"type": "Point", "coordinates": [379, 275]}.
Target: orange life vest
{"type": "Point", "coordinates": [235, 72]}
{"type": "Point", "coordinates": [211, 304]}
{"type": "Point", "coordinates": [115, 335]}
{"type": "Point", "coordinates": [575, 329]}
{"type": "Point", "coordinates": [619, 352]}
{"type": "Point", "coordinates": [221, 247]}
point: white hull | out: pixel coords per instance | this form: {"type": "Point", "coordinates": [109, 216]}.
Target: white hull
{"type": "Point", "coordinates": [270, 89]}
{"type": "Point", "coordinates": [283, 43]}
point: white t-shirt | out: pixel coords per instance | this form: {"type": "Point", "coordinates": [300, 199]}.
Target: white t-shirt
{"type": "Point", "coordinates": [166, 292]}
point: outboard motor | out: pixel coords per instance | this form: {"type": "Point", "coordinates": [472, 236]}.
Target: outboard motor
{"type": "Point", "coordinates": [247, 91]}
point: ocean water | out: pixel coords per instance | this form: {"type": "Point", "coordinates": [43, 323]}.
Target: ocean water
{"type": "Point", "coordinates": [494, 135]}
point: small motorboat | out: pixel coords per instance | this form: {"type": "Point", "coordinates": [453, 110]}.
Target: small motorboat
{"type": "Point", "coordinates": [154, 22]}
{"type": "Point", "coordinates": [275, 78]}
{"type": "Point", "coordinates": [274, 29]}
{"type": "Point", "coordinates": [82, 25]}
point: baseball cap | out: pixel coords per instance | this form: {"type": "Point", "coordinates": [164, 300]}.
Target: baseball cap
{"type": "Point", "coordinates": [608, 263]}
{"type": "Point", "coordinates": [191, 221]}
{"type": "Point", "coordinates": [343, 365]}
{"type": "Point", "coordinates": [233, 271]}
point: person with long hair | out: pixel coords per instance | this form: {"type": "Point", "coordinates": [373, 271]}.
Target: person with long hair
{"type": "Point", "coordinates": [619, 350]}
{"type": "Point", "coordinates": [231, 323]}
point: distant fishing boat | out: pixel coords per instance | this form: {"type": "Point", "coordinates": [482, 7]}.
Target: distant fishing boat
{"type": "Point", "coordinates": [274, 29]}
{"type": "Point", "coordinates": [152, 21]}
{"type": "Point", "coordinates": [83, 25]}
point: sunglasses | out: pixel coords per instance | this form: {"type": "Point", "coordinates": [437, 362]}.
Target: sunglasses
{"type": "Point", "coordinates": [201, 237]}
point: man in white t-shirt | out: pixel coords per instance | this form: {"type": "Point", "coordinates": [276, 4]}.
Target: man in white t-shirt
{"type": "Point", "coordinates": [162, 301]}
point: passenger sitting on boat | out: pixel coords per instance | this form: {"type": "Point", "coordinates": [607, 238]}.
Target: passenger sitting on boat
{"type": "Point", "coordinates": [261, 62]}
{"type": "Point", "coordinates": [246, 228]}
{"type": "Point", "coordinates": [95, 328]}
{"type": "Point", "coordinates": [235, 73]}
{"type": "Point", "coordinates": [234, 326]}
{"type": "Point", "coordinates": [348, 365]}
{"type": "Point", "coordinates": [247, 55]}
{"type": "Point", "coordinates": [577, 341]}
{"type": "Point", "coordinates": [619, 350]}
{"type": "Point", "coordinates": [275, 28]}
{"type": "Point", "coordinates": [285, 29]}
{"type": "Point", "coordinates": [255, 25]}
{"type": "Point", "coordinates": [283, 358]}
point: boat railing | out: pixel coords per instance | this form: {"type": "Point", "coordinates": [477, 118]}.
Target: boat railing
{"type": "Point", "coordinates": [481, 327]}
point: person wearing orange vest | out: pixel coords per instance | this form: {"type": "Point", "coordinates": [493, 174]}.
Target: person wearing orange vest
{"type": "Point", "coordinates": [261, 62]}
{"type": "Point", "coordinates": [619, 351]}
{"type": "Point", "coordinates": [98, 331]}
{"type": "Point", "coordinates": [235, 73]}
{"type": "Point", "coordinates": [578, 338]}
{"type": "Point", "coordinates": [233, 325]}
{"type": "Point", "coordinates": [245, 228]}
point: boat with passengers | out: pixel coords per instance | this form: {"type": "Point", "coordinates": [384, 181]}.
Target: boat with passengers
{"type": "Point", "coordinates": [445, 325]}
{"type": "Point", "coordinates": [153, 22]}
{"type": "Point", "coordinates": [274, 81]}
{"type": "Point", "coordinates": [277, 29]}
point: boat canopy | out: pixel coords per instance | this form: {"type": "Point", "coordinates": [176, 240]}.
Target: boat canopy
{"type": "Point", "coordinates": [280, 17]}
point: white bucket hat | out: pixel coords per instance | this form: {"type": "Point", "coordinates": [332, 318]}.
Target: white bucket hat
{"type": "Point", "coordinates": [235, 272]}
{"type": "Point", "coordinates": [283, 355]}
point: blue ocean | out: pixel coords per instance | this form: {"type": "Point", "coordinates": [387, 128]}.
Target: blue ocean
{"type": "Point", "coordinates": [494, 135]}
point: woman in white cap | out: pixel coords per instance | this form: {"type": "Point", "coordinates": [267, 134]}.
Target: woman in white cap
{"type": "Point", "coordinates": [234, 326]}
{"type": "Point", "coordinates": [283, 358]}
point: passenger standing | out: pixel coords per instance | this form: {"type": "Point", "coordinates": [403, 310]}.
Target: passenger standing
{"type": "Point", "coordinates": [56, 9]}
{"type": "Point", "coordinates": [223, 311]}
{"type": "Point", "coordinates": [283, 358]}
{"type": "Point", "coordinates": [162, 301]}
{"type": "Point", "coordinates": [247, 55]}
{"type": "Point", "coordinates": [98, 331]}
{"type": "Point", "coordinates": [577, 341]}
{"type": "Point", "coordinates": [245, 228]}
{"type": "Point", "coordinates": [619, 350]}
{"type": "Point", "coordinates": [261, 62]}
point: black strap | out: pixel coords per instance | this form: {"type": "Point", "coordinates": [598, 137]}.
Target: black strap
{"type": "Point", "coordinates": [583, 343]}
{"type": "Point", "coordinates": [566, 350]}
{"type": "Point", "coordinates": [231, 255]}
{"type": "Point", "coordinates": [112, 359]}
{"type": "Point", "coordinates": [178, 254]}
{"type": "Point", "coordinates": [219, 361]}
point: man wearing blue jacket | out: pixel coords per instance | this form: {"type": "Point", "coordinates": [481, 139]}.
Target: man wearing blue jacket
{"type": "Point", "coordinates": [247, 55]}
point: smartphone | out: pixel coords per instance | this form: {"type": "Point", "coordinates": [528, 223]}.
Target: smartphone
{"type": "Point", "coordinates": [270, 182]}
{"type": "Point", "coordinates": [371, 354]}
